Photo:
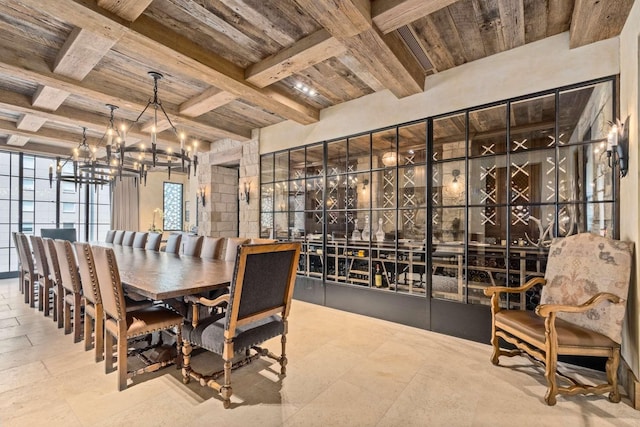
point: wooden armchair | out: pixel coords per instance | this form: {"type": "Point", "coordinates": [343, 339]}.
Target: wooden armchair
{"type": "Point", "coordinates": [581, 309]}
{"type": "Point", "coordinates": [257, 308]}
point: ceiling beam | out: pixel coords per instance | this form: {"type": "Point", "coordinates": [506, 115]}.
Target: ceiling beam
{"type": "Point", "coordinates": [49, 98]}
{"type": "Point", "coordinates": [68, 116]}
{"type": "Point", "coordinates": [595, 20]}
{"type": "Point", "coordinates": [30, 122]}
{"type": "Point", "coordinates": [208, 100]}
{"type": "Point", "coordinates": [303, 54]}
{"type": "Point", "coordinates": [389, 15]}
{"type": "Point", "coordinates": [17, 140]}
{"type": "Point", "coordinates": [36, 70]}
{"type": "Point", "coordinates": [125, 9]}
{"type": "Point", "coordinates": [177, 53]}
{"type": "Point", "coordinates": [45, 135]}
{"type": "Point", "coordinates": [384, 56]}
{"type": "Point", "coordinates": [81, 52]}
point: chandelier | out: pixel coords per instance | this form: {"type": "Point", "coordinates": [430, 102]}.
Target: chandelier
{"type": "Point", "coordinates": [127, 160]}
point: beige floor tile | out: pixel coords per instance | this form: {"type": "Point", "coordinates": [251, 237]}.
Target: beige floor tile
{"type": "Point", "coordinates": [59, 415]}
{"type": "Point", "coordinates": [23, 375]}
{"type": "Point", "coordinates": [6, 323]}
{"type": "Point", "coordinates": [15, 343]}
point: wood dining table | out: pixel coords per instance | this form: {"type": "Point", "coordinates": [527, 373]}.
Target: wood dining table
{"type": "Point", "coordinates": [161, 275]}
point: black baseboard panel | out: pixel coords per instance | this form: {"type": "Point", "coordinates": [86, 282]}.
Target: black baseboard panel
{"type": "Point", "coordinates": [399, 308]}
{"type": "Point", "coordinates": [468, 321]}
{"type": "Point", "coordinates": [309, 290]}
{"type": "Point", "coordinates": [9, 275]}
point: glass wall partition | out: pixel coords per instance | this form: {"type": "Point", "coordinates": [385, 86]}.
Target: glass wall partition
{"type": "Point", "coordinates": [449, 205]}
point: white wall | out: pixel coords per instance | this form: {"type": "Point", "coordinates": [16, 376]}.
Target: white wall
{"type": "Point", "coordinates": [534, 67]}
{"type": "Point", "coordinates": [629, 203]}
{"type": "Point", "coordinates": [151, 196]}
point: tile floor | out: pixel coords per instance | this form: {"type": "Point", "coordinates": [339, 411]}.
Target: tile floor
{"type": "Point", "coordinates": [344, 370]}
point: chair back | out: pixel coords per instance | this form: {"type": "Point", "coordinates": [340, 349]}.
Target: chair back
{"type": "Point", "coordinates": [140, 240]}
{"type": "Point", "coordinates": [579, 267]}
{"type": "Point", "coordinates": [109, 282]}
{"type": "Point", "coordinates": [128, 238]}
{"type": "Point", "coordinates": [262, 284]}
{"type": "Point", "coordinates": [153, 242]}
{"type": "Point", "coordinates": [117, 238]}
{"type": "Point", "coordinates": [41, 265]}
{"type": "Point", "coordinates": [173, 243]}
{"type": "Point", "coordinates": [231, 247]}
{"type": "Point", "coordinates": [24, 252]}
{"type": "Point", "coordinates": [59, 233]}
{"type": "Point", "coordinates": [212, 247]}
{"type": "Point", "coordinates": [68, 266]}
{"type": "Point", "coordinates": [192, 246]}
{"type": "Point", "coordinates": [52, 259]}
{"type": "Point", "coordinates": [110, 235]}
{"type": "Point", "coordinates": [87, 270]}
{"type": "Point", "coordinates": [258, 241]}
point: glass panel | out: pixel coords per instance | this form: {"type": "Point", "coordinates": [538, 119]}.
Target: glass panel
{"type": "Point", "coordinates": [533, 123]}
{"type": "Point", "coordinates": [532, 225]}
{"type": "Point", "coordinates": [281, 225]}
{"type": "Point", "coordinates": [315, 160]}
{"type": "Point", "coordinates": [385, 149]}
{"type": "Point", "coordinates": [266, 168]}
{"type": "Point", "coordinates": [449, 136]}
{"type": "Point", "coordinates": [359, 153]}
{"type": "Point", "coordinates": [358, 195]}
{"type": "Point", "coordinates": [585, 113]}
{"type": "Point", "coordinates": [172, 207]}
{"type": "Point", "coordinates": [488, 131]}
{"type": "Point", "coordinates": [599, 219]}
{"type": "Point", "coordinates": [412, 186]}
{"type": "Point", "coordinates": [412, 143]}
{"type": "Point", "coordinates": [488, 225]}
{"type": "Point", "coordinates": [315, 194]}
{"type": "Point", "coordinates": [266, 197]}
{"type": "Point", "coordinates": [297, 191]}
{"type": "Point", "coordinates": [281, 166]}
{"type": "Point", "coordinates": [584, 174]}
{"type": "Point", "coordinates": [487, 180]}
{"type": "Point", "coordinates": [487, 266]}
{"type": "Point", "coordinates": [337, 157]}
{"type": "Point", "coordinates": [383, 188]}
{"type": "Point", "coordinates": [266, 224]}
{"type": "Point", "coordinates": [280, 197]}
{"type": "Point", "coordinates": [447, 277]}
{"type": "Point", "coordinates": [296, 163]}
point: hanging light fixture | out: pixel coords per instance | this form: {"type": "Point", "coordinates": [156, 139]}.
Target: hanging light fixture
{"type": "Point", "coordinates": [127, 160]}
{"type": "Point", "coordinates": [390, 158]}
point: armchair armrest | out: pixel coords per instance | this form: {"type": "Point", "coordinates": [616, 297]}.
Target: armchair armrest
{"type": "Point", "coordinates": [545, 310]}
{"type": "Point", "coordinates": [194, 300]}
{"type": "Point", "coordinates": [497, 290]}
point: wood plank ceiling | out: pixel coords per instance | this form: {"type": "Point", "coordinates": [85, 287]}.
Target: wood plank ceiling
{"type": "Point", "coordinates": [231, 66]}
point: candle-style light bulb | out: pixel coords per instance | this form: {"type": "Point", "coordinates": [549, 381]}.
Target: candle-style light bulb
{"type": "Point", "coordinates": [123, 132]}
{"type": "Point", "coordinates": [182, 141]}
{"type": "Point", "coordinates": [109, 136]}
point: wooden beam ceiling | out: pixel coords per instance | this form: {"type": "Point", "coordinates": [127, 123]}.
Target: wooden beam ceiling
{"type": "Point", "coordinates": [385, 57]}
{"type": "Point", "coordinates": [125, 9]}
{"type": "Point", "coordinates": [595, 20]}
{"type": "Point", "coordinates": [389, 15]}
{"type": "Point", "coordinates": [44, 134]}
{"type": "Point", "coordinates": [208, 100]}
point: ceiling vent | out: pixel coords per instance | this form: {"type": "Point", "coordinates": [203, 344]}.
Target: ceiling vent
{"type": "Point", "coordinates": [415, 48]}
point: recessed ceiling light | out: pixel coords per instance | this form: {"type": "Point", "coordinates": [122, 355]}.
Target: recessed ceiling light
{"type": "Point", "coordinates": [299, 85]}
{"type": "Point", "coordinates": [312, 92]}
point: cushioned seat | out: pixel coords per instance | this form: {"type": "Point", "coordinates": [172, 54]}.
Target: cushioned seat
{"type": "Point", "coordinates": [71, 288]}
{"type": "Point", "coordinates": [143, 322]}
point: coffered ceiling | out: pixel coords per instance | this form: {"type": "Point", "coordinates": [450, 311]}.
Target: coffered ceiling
{"type": "Point", "coordinates": [231, 66]}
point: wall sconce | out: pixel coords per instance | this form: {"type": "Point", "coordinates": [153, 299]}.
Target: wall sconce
{"type": "Point", "coordinates": [245, 191]}
{"type": "Point", "coordinates": [618, 146]}
{"type": "Point", "coordinates": [455, 184]}
{"type": "Point", "coordinates": [201, 195]}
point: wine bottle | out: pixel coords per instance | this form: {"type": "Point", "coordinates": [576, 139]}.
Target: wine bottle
{"type": "Point", "coordinates": [378, 277]}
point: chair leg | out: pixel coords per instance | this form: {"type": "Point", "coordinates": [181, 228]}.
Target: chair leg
{"type": "Point", "coordinates": [225, 390]}
{"type": "Point", "coordinates": [99, 336]}
{"type": "Point", "coordinates": [122, 360]}
{"type": "Point", "coordinates": [88, 325]}
{"type": "Point", "coordinates": [41, 299]}
{"type": "Point", "coordinates": [67, 317]}
{"type": "Point", "coordinates": [283, 357]}
{"type": "Point", "coordinates": [55, 304]}
{"type": "Point", "coordinates": [60, 305]}
{"type": "Point", "coordinates": [551, 366]}
{"type": "Point", "coordinates": [32, 294]}
{"type": "Point", "coordinates": [612, 375]}
{"type": "Point", "coordinates": [77, 316]}
{"type": "Point", "coordinates": [47, 297]}
{"type": "Point", "coordinates": [186, 361]}
{"type": "Point", "coordinates": [495, 344]}
{"type": "Point", "coordinates": [108, 352]}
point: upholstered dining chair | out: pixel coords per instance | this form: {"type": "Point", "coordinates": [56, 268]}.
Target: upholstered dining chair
{"type": "Point", "coordinates": [140, 240]}
{"type": "Point", "coordinates": [71, 289]}
{"type": "Point", "coordinates": [173, 243]}
{"type": "Point", "coordinates": [128, 238]}
{"type": "Point", "coordinates": [93, 311]}
{"type": "Point", "coordinates": [258, 241]}
{"type": "Point", "coordinates": [16, 244]}
{"type": "Point", "coordinates": [56, 278]}
{"type": "Point", "coordinates": [29, 278]}
{"type": "Point", "coordinates": [192, 245]}
{"type": "Point", "coordinates": [153, 242]}
{"type": "Point", "coordinates": [118, 236]}
{"type": "Point", "coordinates": [122, 324]}
{"type": "Point", "coordinates": [582, 306]}
{"type": "Point", "coordinates": [231, 247]}
{"type": "Point", "coordinates": [211, 247]}
{"type": "Point", "coordinates": [258, 305]}
{"type": "Point", "coordinates": [45, 285]}
{"type": "Point", "coordinates": [110, 236]}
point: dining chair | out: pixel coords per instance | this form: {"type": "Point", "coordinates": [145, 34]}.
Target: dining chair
{"type": "Point", "coordinates": [123, 325]}
{"type": "Point", "coordinates": [153, 242]}
{"type": "Point", "coordinates": [258, 306]}
{"type": "Point", "coordinates": [192, 246]}
{"type": "Point", "coordinates": [212, 247]}
{"type": "Point", "coordinates": [258, 241]}
{"type": "Point", "coordinates": [128, 238]}
{"type": "Point", "coordinates": [173, 243]}
{"type": "Point", "coordinates": [93, 310]}
{"type": "Point", "coordinates": [71, 288]}
{"type": "Point", "coordinates": [56, 278]}
{"type": "Point", "coordinates": [42, 274]}
{"type": "Point", "coordinates": [14, 236]}
{"type": "Point", "coordinates": [582, 307]}
{"type": "Point", "coordinates": [28, 270]}
{"type": "Point", "coordinates": [117, 237]}
{"type": "Point", "coordinates": [231, 247]}
{"type": "Point", "coordinates": [140, 239]}
{"type": "Point", "coordinates": [110, 236]}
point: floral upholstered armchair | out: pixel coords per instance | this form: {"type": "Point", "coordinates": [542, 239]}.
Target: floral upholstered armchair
{"type": "Point", "coordinates": [581, 310]}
